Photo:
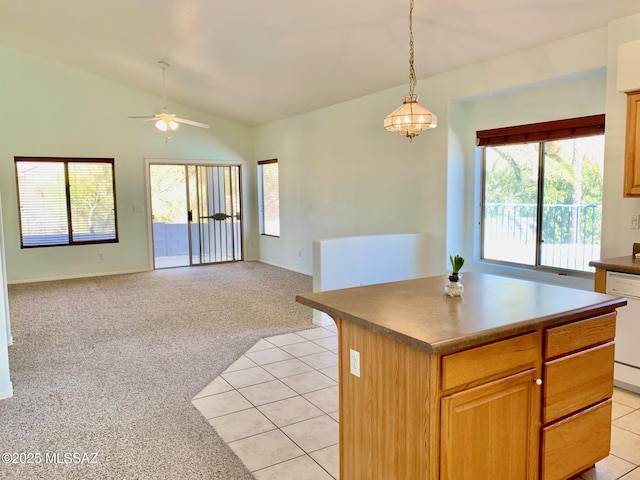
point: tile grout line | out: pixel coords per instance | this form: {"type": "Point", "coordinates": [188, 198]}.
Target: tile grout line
{"type": "Point", "coordinates": [294, 458]}
{"type": "Point", "coordinates": [313, 369]}
{"type": "Point", "coordinates": [323, 412]}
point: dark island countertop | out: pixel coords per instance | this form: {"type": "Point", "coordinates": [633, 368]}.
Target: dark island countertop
{"type": "Point", "coordinates": [417, 313]}
{"type": "Point", "coordinates": [626, 264]}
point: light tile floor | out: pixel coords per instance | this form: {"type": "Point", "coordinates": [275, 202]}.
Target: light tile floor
{"type": "Point", "coordinates": [277, 408]}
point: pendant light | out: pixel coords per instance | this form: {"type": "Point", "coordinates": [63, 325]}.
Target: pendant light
{"type": "Point", "coordinates": [410, 118]}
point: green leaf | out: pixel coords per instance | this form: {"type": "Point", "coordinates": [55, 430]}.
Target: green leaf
{"type": "Point", "coordinates": [456, 263]}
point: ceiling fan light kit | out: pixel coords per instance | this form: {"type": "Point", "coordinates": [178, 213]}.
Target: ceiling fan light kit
{"type": "Point", "coordinates": [410, 118]}
{"type": "Point", "coordinates": [167, 122]}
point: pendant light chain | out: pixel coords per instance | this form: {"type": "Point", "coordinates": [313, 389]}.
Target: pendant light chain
{"type": "Point", "coordinates": [412, 71]}
{"type": "Point", "coordinates": [410, 118]}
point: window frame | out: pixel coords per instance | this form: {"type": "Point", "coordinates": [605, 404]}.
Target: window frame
{"type": "Point", "coordinates": [261, 197]}
{"type": "Point", "coordinates": [538, 133]}
{"type": "Point", "coordinates": [68, 205]}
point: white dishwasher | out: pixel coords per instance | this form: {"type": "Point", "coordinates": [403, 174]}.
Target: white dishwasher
{"type": "Point", "coordinates": [627, 367]}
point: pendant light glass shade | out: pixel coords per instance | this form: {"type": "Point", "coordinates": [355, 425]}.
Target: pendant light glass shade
{"type": "Point", "coordinates": [410, 118]}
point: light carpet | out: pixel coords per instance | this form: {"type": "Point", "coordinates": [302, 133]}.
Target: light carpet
{"type": "Point", "coordinates": [109, 365]}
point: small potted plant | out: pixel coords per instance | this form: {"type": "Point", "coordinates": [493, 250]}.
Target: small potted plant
{"type": "Point", "coordinates": [454, 288]}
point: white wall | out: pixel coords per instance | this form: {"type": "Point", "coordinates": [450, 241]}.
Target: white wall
{"type": "Point", "coordinates": [365, 260]}
{"type": "Point", "coordinates": [6, 389]}
{"type": "Point", "coordinates": [341, 174]}
{"type": "Point", "coordinates": [49, 109]}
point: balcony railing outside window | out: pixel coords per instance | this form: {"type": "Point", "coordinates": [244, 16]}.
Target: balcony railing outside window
{"type": "Point", "coordinates": [570, 234]}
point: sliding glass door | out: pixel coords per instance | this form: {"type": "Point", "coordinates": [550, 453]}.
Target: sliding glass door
{"type": "Point", "coordinates": [196, 214]}
{"type": "Point", "coordinates": [215, 213]}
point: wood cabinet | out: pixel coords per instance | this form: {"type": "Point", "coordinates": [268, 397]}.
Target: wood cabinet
{"type": "Point", "coordinates": [568, 445]}
{"type": "Point", "coordinates": [512, 381]}
{"type": "Point", "coordinates": [534, 406]}
{"type": "Point", "coordinates": [576, 404]}
{"type": "Point", "coordinates": [490, 410]}
{"type": "Point", "coordinates": [632, 149]}
{"type": "Point", "coordinates": [490, 431]}
{"type": "Point", "coordinates": [388, 414]}
{"type": "Point", "coordinates": [488, 362]}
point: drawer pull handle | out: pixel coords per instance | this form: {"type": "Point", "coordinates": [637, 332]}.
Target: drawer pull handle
{"type": "Point", "coordinates": [538, 381]}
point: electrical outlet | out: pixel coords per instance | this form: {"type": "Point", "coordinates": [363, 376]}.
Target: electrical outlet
{"type": "Point", "coordinates": [354, 363]}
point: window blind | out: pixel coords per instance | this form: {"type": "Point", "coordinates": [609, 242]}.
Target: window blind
{"type": "Point", "coordinates": [65, 201]}
{"type": "Point", "coordinates": [542, 132]}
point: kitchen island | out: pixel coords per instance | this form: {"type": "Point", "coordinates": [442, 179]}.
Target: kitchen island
{"type": "Point", "coordinates": [511, 381]}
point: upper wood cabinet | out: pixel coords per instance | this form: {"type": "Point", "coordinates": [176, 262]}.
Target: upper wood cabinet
{"type": "Point", "coordinates": [632, 150]}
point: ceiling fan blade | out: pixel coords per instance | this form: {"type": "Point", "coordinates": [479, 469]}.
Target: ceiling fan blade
{"type": "Point", "coordinates": [148, 117]}
{"type": "Point", "coordinates": [191, 122]}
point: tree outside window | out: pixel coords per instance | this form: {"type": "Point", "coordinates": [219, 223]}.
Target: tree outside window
{"type": "Point", "coordinates": [66, 201]}
{"type": "Point", "coordinates": [542, 201]}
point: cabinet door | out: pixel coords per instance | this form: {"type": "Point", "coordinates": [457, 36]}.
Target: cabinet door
{"type": "Point", "coordinates": [492, 431]}
{"type": "Point", "coordinates": [632, 152]}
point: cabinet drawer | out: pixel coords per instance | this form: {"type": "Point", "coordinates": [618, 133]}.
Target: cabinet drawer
{"type": "Point", "coordinates": [573, 445]}
{"type": "Point", "coordinates": [579, 335]}
{"type": "Point", "coordinates": [480, 363]}
{"type": "Point", "coordinates": [577, 381]}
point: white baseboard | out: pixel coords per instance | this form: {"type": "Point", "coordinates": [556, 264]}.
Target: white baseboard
{"type": "Point", "coordinates": [283, 267]}
{"type": "Point", "coordinates": [70, 277]}
{"type": "Point", "coordinates": [627, 377]}
{"type": "Point", "coordinates": [103, 274]}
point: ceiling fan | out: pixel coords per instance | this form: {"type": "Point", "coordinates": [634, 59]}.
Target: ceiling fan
{"type": "Point", "coordinates": [165, 120]}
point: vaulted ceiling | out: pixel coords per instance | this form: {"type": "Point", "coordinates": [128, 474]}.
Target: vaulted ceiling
{"type": "Point", "coordinates": [260, 61]}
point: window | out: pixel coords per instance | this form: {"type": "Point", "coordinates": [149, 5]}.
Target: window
{"type": "Point", "coordinates": [268, 198]}
{"type": "Point", "coordinates": [542, 193]}
{"type": "Point", "coordinates": [66, 201]}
